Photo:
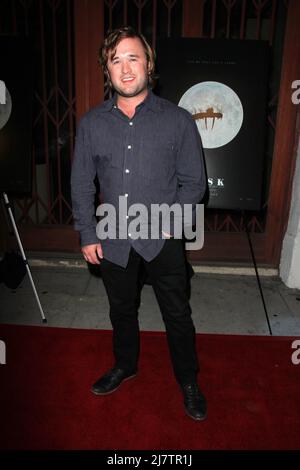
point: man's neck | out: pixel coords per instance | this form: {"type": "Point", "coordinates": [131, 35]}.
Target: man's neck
{"type": "Point", "coordinates": [128, 105]}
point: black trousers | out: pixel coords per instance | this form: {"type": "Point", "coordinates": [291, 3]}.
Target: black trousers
{"type": "Point", "coordinates": [168, 275]}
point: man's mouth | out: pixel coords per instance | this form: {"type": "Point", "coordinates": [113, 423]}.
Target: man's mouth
{"type": "Point", "coordinates": [127, 79]}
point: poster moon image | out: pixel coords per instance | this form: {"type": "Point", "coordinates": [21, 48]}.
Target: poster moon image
{"type": "Point", "coordinates": [5, 109]}
{"type": "Point", "coordinates": [217, 111]}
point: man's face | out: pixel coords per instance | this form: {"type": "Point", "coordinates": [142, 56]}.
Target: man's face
{"type": "Point", "coordinates": [128, 68]}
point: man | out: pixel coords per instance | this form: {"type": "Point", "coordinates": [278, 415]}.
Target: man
{"type": "Point", "coordinates": [148, 151]}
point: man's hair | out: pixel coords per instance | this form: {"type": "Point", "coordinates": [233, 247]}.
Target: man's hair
{"type": "Point", "coordinates": [110, 45]}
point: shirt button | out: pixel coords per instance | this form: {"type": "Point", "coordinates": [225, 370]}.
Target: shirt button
{"type": "Point", "coordinates": [127, 216]}
{"type": "Point", "coordinates": [131, 123]}
{"type": "Point", "coordinates": [126, 171]}
{"type": "Point", "coordinates": [129, 234]}
{"type": "Point", "coordinates": [129, 146]}
{"type": "Point", "coordinates": [126, 194]}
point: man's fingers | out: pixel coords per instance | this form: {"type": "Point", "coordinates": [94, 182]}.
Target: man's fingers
{"type": "Point", "coordinates": [90, 253]}
{"type": "Point", "coordinates": [92, 259]}
{"type": "Point", "coordinates": [99, 251]}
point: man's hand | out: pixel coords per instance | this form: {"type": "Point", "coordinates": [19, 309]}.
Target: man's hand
{"type": "Point", "coordinates": [92, 253]}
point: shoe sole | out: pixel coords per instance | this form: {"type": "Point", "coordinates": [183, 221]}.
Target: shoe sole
{"type": "Point", "coordinates": [114, 389]}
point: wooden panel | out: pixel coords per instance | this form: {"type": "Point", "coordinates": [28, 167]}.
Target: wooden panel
{"type": "Point", "coordinates": [60, 238]}
{"type": "Point", "coordinates": [284, 149]}
{"type": "Point", "coordinates": [89, 34]}
{"type": "Point", "coordinates": [63, 238]}
{"type": "Point", "coordinates": [233, 248]}
{"type": "Point", "coordinates": [192, 24]}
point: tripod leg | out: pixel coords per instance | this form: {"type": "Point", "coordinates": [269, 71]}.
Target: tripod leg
{"type": "Point", "coordinates": [7, 204]}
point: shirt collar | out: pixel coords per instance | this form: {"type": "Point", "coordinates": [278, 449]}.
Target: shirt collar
{"type": "Point", "coordinates": [150, 102]}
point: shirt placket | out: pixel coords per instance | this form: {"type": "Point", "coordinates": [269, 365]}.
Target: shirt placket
{"type": "Point", "coordinates": [122, 210]}
{"type": "Point", "coordinates": [128, 167]}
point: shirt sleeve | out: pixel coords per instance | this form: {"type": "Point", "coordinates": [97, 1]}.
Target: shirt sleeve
{"type": "Point", "coordinates": [190, 168]}
{"type": "Point", "coordinates": [83, 188]}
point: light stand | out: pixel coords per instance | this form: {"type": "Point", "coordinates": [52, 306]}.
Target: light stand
{"type": "Point", "coordinates": [8, 207]}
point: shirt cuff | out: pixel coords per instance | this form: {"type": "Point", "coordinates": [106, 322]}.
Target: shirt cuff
{"type": "Point", "coordinates": [89, 237]}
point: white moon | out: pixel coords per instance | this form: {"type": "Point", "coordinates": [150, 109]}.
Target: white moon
{"type": "Point", "coordinates": [5, 109]}
{"type": "Point", "coordinates": [217, 110]}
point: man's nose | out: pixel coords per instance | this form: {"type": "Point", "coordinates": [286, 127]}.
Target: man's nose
{"type": "Point", "coordinates": [125, 66]}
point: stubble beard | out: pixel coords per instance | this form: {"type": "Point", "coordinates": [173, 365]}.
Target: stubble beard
{"type": "Point", "coordinates": [131, 94]}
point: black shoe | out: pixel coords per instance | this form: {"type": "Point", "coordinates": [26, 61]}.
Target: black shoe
{"type": "Point", "coordinates": [194, 401]}
{"type": "Point", "coordinates": [110, 381]}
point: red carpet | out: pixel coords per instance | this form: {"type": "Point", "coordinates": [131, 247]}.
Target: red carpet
{"type": "Point", "coordinates": [252, 387]}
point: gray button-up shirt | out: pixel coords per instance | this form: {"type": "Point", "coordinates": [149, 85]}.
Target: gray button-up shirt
{"type": "Point", "coordinates": [153, 158]}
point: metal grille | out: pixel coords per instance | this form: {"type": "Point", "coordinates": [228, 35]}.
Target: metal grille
{"type": "Point", "coordinates": [50, 26]}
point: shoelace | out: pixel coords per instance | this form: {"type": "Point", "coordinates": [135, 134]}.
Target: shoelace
{"type": "Point", "coordinates": [192, 394]}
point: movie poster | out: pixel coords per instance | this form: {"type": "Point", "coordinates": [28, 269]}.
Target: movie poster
{"type": "Point", "coordinates": [16, 99]}
{"type": "Point", "coordinates": [223, 84]}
